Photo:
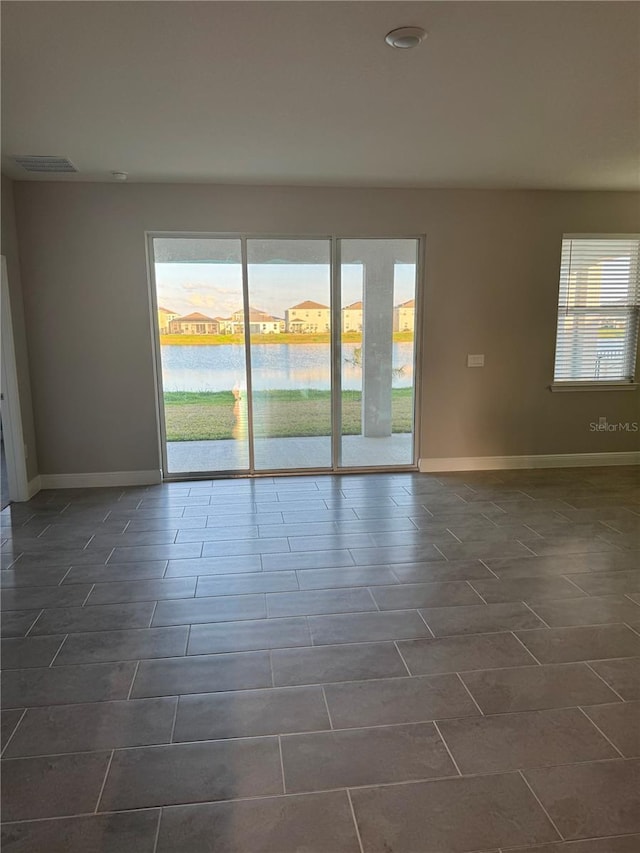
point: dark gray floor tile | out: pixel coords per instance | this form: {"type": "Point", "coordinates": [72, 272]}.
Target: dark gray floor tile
{"type": "Point", "coordinates": [622, 675]}
{"type": "Point", "coordinates": [23, 688]}
{"type": "Point", "coordinates": [619, 844]}
{"type": "Point", "coordinates": [249, 635]}
{"type": "Point", "coordinates": [354, 757]}
{"type": "Point", "coordinates": [247, 713]}
{"type": "Point", "coordinates": [426, 816]}
{"type": "Point", "coordinates": [313, 823]}
{"type": "Point", "coordinates": [36, 597]}
{"type": "Point", "coordinates": [481, 550]}
{"type": "Point", "coordinates": [335, 541]}
{"type": "Point", "coordinates": [526, 589]}
{"type": "Point", "coordinates": [63, 557]}
{"type": "Point", "coordinates": [248, 583]}
{"type": "Point", "coordinates": [597, 642]}
{"type": "Point", "coordinates": [550, 545]}
{"type": "Point", "coordinates": [476, 531]}
{"type": "Point", "coordinates": [525, 689]}
{"type": "Point", "coordinates": [32, 577]}
{"type": "Point", "coordinates": [590, 800]}
{"type": "Point", "coordinates": [458, 654]}
{"type": "Point", "coordinates": [134, 832]}
{"type": "Point", "coordinates": [528, 739]}
{"type": "Point", "coordinates": [320, 528]}
{"type": "Point", "coordinates": [143, 590]}
{"type": "Point", "coordinates": [227, 608]}
{"type": "Point", "coordinates": [398, 700]}
{"type": "Point", "coordinates": [587, 611]}
{"type": "Point", "coordinates": [143, 525]}
{"type": "Point", "coordinates": [138, 553]}
{"type": "Point", "coordinates": [479, 618]}
{"type": "Point", "coordinates": [450, 570]}
{"type": "Point", "coordinates": [16, 623]}
{"type": "Point", "coordinates": [24, 652]}
{"type": "Point", "coordinates": [151, 537]}
{"type": "Point", "coordinates": [192, 773]}
{"type": "Point", "coordinates": [237, 518]}
{"type": "Point", "coordinates": [113, 572]}
{"type": "Point", "coordinates": [614, 583]}
{"type": "Point", "coordinates": [94, 726]}
{"type": "Point", "coordinates": [8, 722]}
{"type": "Point", "coordinates": [507, 568]}
{"type": "Point", "coordinates": [311, 560]}
{"type": "Point", "coordinates": [336, 663]}
{"type": "Point", "coordinates": [344, 577]}
{"type": "Point", "coordinates": [620, 722]}
{"type": "Point", "coordinates": [134, 644]}
{"type": "Point", "coordinates": [366, 627]}
{"type": "Point", "coordinates": [214, 566]}
{"type": "Point", "coordinates": [238, 548]}
{"type": "Point", "coordinates": [374, 525]}
{"type": "Point", "coordinates": [396, 554]}
{"type": "Point", "coordinates": [309, 602]}
{"type": "Point", "coordinates": [202, 674]}
{"type": "Point", "coordinates": [55, 785]}
{"type": "Point", "coordinates": [218, 534]}
{"type": "Point", "coordinates": [406, 596]}
{"type": "Point", "coordinates": [102, 617]}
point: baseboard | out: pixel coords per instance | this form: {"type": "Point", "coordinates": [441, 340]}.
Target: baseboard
{"type": "Point", "coordinates": [34, 486]}
{"type": "Point", "coordinates": [556, 460]}
{"type": "Point", "coordinates": [102, 479]}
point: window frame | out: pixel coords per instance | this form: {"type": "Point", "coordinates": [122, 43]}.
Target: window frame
{"type": "Point", "coordinates": [630, 384]}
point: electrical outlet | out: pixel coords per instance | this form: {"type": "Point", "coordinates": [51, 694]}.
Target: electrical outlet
{"type": "Point", "coordinates": [475, 361]}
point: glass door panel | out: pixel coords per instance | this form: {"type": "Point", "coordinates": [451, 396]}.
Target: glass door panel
{"type": "Point", "coordinates": [377, 352]}
{"type": "Point", "coordinates": [289, 284]}
{"type": "Point", "coordinates": [201, 325]}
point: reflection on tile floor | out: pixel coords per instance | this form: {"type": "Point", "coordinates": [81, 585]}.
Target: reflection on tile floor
{"type": "Point", "coordinates": [385, 663]}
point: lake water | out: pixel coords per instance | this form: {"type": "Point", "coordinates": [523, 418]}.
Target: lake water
{"type": "Point", "coordinates": [276, 366]}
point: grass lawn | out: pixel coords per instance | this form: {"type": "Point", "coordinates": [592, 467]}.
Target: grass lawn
{"type": "Point", "coordinates": [209, 416]}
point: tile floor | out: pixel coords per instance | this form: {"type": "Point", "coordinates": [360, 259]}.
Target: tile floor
{"type": "Point", "coordinates": [358, 664]}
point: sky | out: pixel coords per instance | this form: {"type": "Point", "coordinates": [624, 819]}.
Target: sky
{"type": "Point", "coordinates": [216, 289]}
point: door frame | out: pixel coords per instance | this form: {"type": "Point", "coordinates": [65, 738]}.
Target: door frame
{"type": "Point", "coordinates": [336, 373]}
{"type": "Point", "coordinates": [12, 430]}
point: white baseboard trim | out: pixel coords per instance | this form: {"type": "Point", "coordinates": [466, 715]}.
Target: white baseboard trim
{"type": "Point", "coordinates": [498, 463]}
{"type": "Point", "coordinates": [102, 479]}
{"type": "Point", "coordinates": [34, 486]}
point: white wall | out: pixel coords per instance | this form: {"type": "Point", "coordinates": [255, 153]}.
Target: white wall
{"type": "Point", "coordinates": [491, 287]}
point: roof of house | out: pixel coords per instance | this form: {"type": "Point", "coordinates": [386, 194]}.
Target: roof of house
{"type": "Point", "coordinates": [195, 317]}
{"type": "Point", "coordinates": [166, 310]}
{"type": "Point", "coordinates": [258, 316]}
{"type": "Point", "coordinates": [309, 304]}
{"type": "Point", "coordinates": [356, 306]}
{"type": "Point", "coordinates": [410, 303]}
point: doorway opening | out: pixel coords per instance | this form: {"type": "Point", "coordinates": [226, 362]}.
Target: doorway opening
{"type": "Point", "coordinates": [285, 354]}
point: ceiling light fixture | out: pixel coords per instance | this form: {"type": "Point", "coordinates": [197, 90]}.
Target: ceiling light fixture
{"type": "Point", "coordinates": [405, 37]}
{"type": "Point", "coordinates": [120, 176]}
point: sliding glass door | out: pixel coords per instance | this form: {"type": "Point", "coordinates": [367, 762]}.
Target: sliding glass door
{"type": "Point", "coordinates": [290, 329]}
{"type": "Point", "coordinates": [203, 354]}
{"type": "Point", "coordinates": [285, 354]}
{"type": "Point", "coordinates": [378, 321]}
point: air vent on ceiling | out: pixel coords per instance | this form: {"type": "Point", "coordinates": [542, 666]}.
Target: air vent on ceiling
{"type": "Point", "coordinates": [45, 164]}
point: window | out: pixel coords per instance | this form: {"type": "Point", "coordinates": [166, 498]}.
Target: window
{"type": "Point", "coordinates": [598, 309]}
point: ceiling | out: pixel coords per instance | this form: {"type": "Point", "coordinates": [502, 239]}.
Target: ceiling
{"type": "Point", "coordinates": [501, 94]}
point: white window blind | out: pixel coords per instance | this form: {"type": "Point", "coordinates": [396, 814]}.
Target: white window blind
{"type": "Point", "coordinates": [598, 309]}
